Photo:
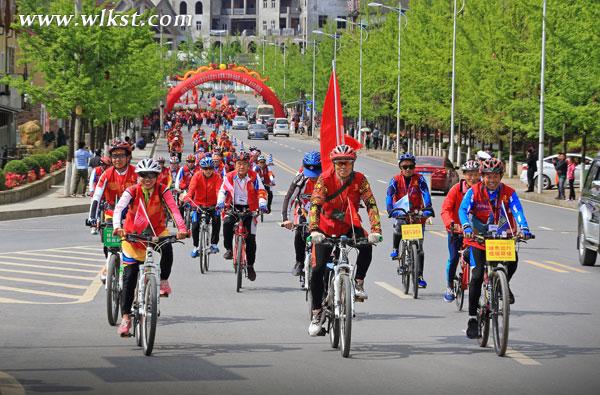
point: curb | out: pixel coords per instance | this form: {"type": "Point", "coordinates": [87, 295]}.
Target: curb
{"type": "Point", "coordinates": [44, 212]}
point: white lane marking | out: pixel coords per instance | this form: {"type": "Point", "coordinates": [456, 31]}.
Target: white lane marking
{"type": "Point", "coordinates": [438, 233]}
{"type": "Point", "coordinates": [14, 252]}
{"type": "Point", "coordinates": [58, 256]}
{"type": "Point", "coordinates": [51, 261]}
{"type": "Point", "coordinates": [9, 385]}
{"type": "Point", "coordinates": [381, 181]}
{"type": "Point", "coordinates": [68, 269]}
{"type": "Point", "coordinates": [575, 269]}
{"type": "Point", "coordinates": [47, 274]}
{"type": "Point", "coordinates": [43, 293]}
{"type": "Point", "coordinates": [393, 290]}
{"type": "Point", "coordinates": [521, 358]}
{"type": "Point", "coordinates": [67, 249]}
{"type": "Point", "coordinates": [545, 228]}
{"type": "Point", "coordinates": [41, 282]}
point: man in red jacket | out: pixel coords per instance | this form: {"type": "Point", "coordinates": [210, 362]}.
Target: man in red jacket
{"type": "Point", "coordinates": [452, 223]}
{"type": "Point", "coordinates": [202, 193]}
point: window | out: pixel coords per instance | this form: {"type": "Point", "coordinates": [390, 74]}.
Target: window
{"type": "Point", "coordinates": [593, 173]}
{"type": "Point", "coordinates": [272, 25]}
{"type": "Point", "coordinates": [341, 25]}
{"type": "Point", "coordinates": [183, 8]}
{"type": "Point", "coordinates": [264, 3]}
{"type": "Point", "coordinates": [198, 8]}
{"type": "Point", "coordinates": [322, 20]}
{"type": "Point", "coordinates": [272, 3]}
{"type": "Point", "coordinates": [11, 60]}
{"type": "Point", "coordinates": [198, 25]}
{"type": "Point", "coordinates": [264, 25]}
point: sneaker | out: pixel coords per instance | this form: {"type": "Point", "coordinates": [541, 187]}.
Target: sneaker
{"type": "Point", "coordinates": [214, 249]}
{"type": "Point", "coordinates": [94, 231]}
{"type": "Point", "coordinates": [124, 328]}
{"type": "Point", "coordinates": [165, 288]}
{"type": "Point", "coordinates": [422, 282]}
{"type": "Point", "coordinates": [360, 292]}
{"type": "Point", "coordinates": [195, 252]}
{"type": "Point", "coordinates": [298, 268]}
{"type": "Point", "coordinates": [449, 295]}
{"type": "Point", "coordinates": [472, 328]}
{"type": "Point", "coordinates": [315, 324]}
{"type": "Point", "coordinates": [251, 273]}
{"type": "Point", "coordinates": [394, 254]}
{"type": "Point", "coordinates": [228, 254]}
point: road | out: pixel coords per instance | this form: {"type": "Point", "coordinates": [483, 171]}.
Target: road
{"type": "Point", "coordinates": [55, 336]}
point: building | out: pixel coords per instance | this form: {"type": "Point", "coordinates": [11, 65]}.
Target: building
{"type": "Point", "coordinates": [11, 100]}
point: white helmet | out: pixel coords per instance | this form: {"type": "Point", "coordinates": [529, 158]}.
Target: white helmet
{"type": "Point", "coordinates": [147, 165]}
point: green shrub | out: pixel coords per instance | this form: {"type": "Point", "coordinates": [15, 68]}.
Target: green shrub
{"type": "Point", "coordinates": [2, 179]}
{"type": "Point", "coordinates": [64, 149]}
{"type": "Point", "coordinates": [16, 166]}
{"type": "Point", "coordinates": [62, 155]}
{"type": "Point", "coordinates": [54, 156]}
{"type": "Point", "coordinates": [43, 161]}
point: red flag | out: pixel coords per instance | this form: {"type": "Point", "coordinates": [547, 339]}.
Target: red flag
{"type": "Point", "coordinates": [351, 216]}
{"type": "Point", "coordinates": [141, 220]}
{"type": "Point", "coordinates": [332, 133]}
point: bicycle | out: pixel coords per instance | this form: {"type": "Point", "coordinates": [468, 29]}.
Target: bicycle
{"type": "Point", "coordinates": [239, 245]}
{"type": "Point", "coordinates": [114, 273]}
{"type": "Point", "coordinates": [187, 216]}
{"type": "Point", "coordinates": [204, 235]}
{"type": "Point", "coordinates": [461, 282]}
{"type": "Point", "coordinates": [145, 309]}
{"type": "Point", "coordinates": [494, 303]}
{"type": "Point", "coordinates": [410, 244]}
{"type": "Point", "coordinates": [339, 293]}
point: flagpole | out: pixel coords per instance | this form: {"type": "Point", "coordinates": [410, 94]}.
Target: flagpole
{"type": "Point", "coordinates": [335, 105]}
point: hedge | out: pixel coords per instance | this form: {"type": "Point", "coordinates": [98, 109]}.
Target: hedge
{"type": "Point", "coordinates": [16, 166]}
{"type": "Point", "coordinates": [32, 164]}
{"type": "Point", "coordinates": [60, 153]}
{"type": "Point", "coordinates": [43, 160]}
{"type": "Point", "coordinates": [55, 156]}
{"type": "Point", "coordinates": [2, 179]}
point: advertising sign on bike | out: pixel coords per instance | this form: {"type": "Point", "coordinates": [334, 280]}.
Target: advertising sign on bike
{"type": "Point", "coordinates": [412, 232]}
{"type": "Point", "coordinates": [500, 251]}
{"type": "Point", "coordinates": [108, 238]}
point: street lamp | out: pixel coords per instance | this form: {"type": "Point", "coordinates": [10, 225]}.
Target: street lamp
{"type": "Point", "coordinates": [362, 27]}
{"type": "Point", "coordinates": [314, 104]}
{"type": "Point", "coordinates": [540, 180]}
{"type": "Point", "coordinates": [219, 33]}
{"type": "Point", "coordinates": [400, 12]}
{"type": "Point", "coordinates": [284, 73]}
{"type": "Point", "coordinates": [451, 152]}
{"type": "Point", "coordinates": [263, 41]}
{"type": "Point", "coordinates": [334, 36]}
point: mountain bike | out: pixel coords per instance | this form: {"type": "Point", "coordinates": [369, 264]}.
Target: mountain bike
{"type": "Point", "coordinates": [239, 244]}
{"type": "Point", "coordinates": [202, 214]}
{"type": "Point", "coordinates": [461, 282]}
{"type": "Point", "coordinates": [410, 245]}
{"type": "Point", "coordinates": [145, 309]}
{"type": "Point", "coordinates": [114, 273]}
{"type": "Point", "coordinates": [494, 303]}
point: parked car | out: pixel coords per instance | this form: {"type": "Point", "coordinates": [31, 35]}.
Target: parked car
{"type": "Point", "coordinates": [549, 179]}
{"type": "Point", "coordinates": [219, 94]}
{"type": "Point", "coordinates": [268, 122]}
{"type": "Point", "coordinates": [441, 171]}
{"type": "Point", "coordinates": [231, 99]}
{"type": "Point", "coordinates": [240, 123]}
{"type": "Point", "coordinates": [258, 131]}
{"type": "Point", "coordinates": [281, 126]}
{"type": "Point", "coordinates": [588, 229]}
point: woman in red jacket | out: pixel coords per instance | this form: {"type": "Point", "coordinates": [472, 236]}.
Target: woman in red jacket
{"type": "Point", "coordinates": [202, 193]}
{"type": "Point", "coordinates": [452, 223]}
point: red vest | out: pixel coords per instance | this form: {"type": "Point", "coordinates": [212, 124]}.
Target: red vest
{"type": "Point", "coordinates": [253, 193]}
{"type": "Point", "coordinates": [414, 192]}
{"type": "Point", "coordinates": [346, 202]}
{"type": "Point", "coordinates": [264, 174]}
{"type": "Point", "coordinates": [187, 177]}
{"type": "Point", "coordinates": [116, 184]}
{"type": "Point", "coordinates": [164, 177]}
{"type": "Point", "coordinates": [203, 191]}
{"type": "Point", "coordinates": [154, 208]}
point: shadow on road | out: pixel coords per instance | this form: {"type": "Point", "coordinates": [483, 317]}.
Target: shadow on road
{"type": "Point", "coordinates": [189, 319]}
{"type": "Point", "coordinates": [524, 313]}
{"type": "Point", "coordinates": [375, 317]}
{"type": "Point", "coordinates": [43, 386]}
{"type": "Point", "coordinates": [209, 350]}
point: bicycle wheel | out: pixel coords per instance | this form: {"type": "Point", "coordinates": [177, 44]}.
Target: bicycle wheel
{"type": "Point", "coordinates": [206, 251]}
{"type": "Point", "coordinates": [500, 312]}
{"type": "Point", "coordinates": [202, 248]}
{"type": "Point", "coordinates": [483, 318]}
{"type": "Point", "coordinates": [112, 289]}
{"type": "Point", "coordinates": [238, 262]}
{"type": "Point", "coordinates": [149, 316]}
{"type": "Point", "coordinates": [459, 293]}
{"type": "Point", "coordinates": [415, 269]}
{"type": "Point", "coordinates": [188, 220]}
{"type": "Point", "coordinates": [345, 315]}
{"type": "Point", "coordinates": [334, 323]}
{"type": "Point", "coordinates": [406, 259]}
{"type": "Point", "coordinates": [137, 330]}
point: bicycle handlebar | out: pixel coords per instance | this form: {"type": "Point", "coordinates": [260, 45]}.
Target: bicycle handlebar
{"type": "Point", "coordinates": [156, 240]}
{"type": "Point", "coordinates": [413, 215]}
{"type": "Point", "coordinates": [333, 241]}
{"type": "Point", "coordinates": [518, 238]}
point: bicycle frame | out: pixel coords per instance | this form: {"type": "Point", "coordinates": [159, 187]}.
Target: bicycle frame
{"type": "Point", "coordinates": [147, 268]}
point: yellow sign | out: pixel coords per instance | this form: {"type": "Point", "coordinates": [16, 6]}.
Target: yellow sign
{"type": "Point", "coordinates": [412, 232]}
{"type": "Point", "coordinates": [500, 251]}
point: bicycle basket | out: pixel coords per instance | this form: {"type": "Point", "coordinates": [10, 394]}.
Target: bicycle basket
{"type": "Point", "coordinates": [108, 239]}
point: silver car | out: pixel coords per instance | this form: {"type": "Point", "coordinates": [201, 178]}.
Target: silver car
{"type": "Point", "coordinates": [588, 228]}
{"type": "Point", "coordinates": [550, 172]}
{"type": "Point", "coordinates": [240, 123]}
{"type": "Point", "coordinates": [281, 127]}
{"type": "Point", "coordinates": [258, 131]}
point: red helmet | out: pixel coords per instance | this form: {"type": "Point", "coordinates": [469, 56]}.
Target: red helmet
{"type": "Point", "coordinates": [342, 152]}
{"type": "Point", "coordinates": [190, 158]}
{"type": "Point", "coordinates": [120, 144]}
{"type": "Point", "coordinates": [492, 165]}
{"type": "Point", "coordinates": [242, 157]}
{"type": "Point", "coordinates": [105, 160]}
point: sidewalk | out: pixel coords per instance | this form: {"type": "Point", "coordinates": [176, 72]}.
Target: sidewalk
{"type": "Point", "coordinates": [54, 202]}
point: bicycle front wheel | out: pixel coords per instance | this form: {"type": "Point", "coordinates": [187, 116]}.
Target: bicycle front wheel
{"type": "Point", "coordinates": [202, 247]}
{"type": "Point", "coordinates": [238, 262]}
{"type": "Point", "coordinates": [346, 314]}
{"type": "Point", "coordinates": [500, 312]}
{"type": "Point", "coordinates": [149, 315]}
{"type": "Point", "coordinates": [112, 289]}
{"type": "Point", "coordinates": [483, 318]}
{"type": "Point", "coordinates": [459, 293]}
{"type": "Point", "coordinates": [206, 250]}
{"type": "Point", "coordinates": [414, 251]}
{"type": "Point", "coordinates": [334, 323]}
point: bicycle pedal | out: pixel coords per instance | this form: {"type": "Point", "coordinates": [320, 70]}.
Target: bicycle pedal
{"type": "Point", "coordinates": [323, 332]}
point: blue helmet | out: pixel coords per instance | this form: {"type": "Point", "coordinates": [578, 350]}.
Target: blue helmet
{"type": "Point", "coordinates": [312, 164]}
{"type": "Point", "coordinates": [407, 156]}
{"type": "Point", "coordinates": [207, 162]}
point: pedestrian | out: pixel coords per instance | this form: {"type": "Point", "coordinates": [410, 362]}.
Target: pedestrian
{"type": "Point", "coordinates": [368, 139]}
{"type": "Point", "coordinates": [375, 137]}
{"type": "Point", "coordinates": [82, 157]}
{"type": "Point", "coordinates": [531, 161]}
{"type": "Point", "coordinates": [61, 138]}
{"type": "Point", "coordinates": [95, 161]}
{"type": "Point", "coordinates": [573, 162]}
{"type": "Point", "coordinates": [560, 164]}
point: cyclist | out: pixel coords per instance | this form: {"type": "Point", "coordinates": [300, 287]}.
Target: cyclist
{"type": "Point", "coordinates": [334, 211]}
{"type": "Point", "coordinates": [488, 205]}
{"type": "Point", "coordinates": [147, 203]}
{"type": "Point", "coordinates": [184, 176]}
{"type": "Point", "coordinates": [452, 223]}
{"type": "Point", "coordinates": [242, 189]}
{"type": "Point", "coordinates": [267, 178]}
{"type": "Point", "coordinates": [164, 177]}
{"type": "Point", "coordinates": [105, 163]}
{"type": "Point", "coordinates": [298, 195]}
{"type": "Point", "coordinates": [202, 193]}
{"type": "Point", "coordinates": [410, 185]}
{"type": "Point", "coordinates": [174, 167]}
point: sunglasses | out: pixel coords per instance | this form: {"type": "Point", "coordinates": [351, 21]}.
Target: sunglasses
{"type": "Point", "coordinates": [119, 156]}
{"type": "Point", "coordinates": [343, 163]}
{"type": "Point", "coordinates": [148, 175]}
{"type": "Point", "coordinates": [407, 167]}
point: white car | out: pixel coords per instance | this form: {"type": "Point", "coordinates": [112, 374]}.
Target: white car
{"type": "Point", "coordinates": [281, 126]}
{"type": "Point", "coordinates": [240, 123]}
{"type": "Point", "coordinates": [550, 173]}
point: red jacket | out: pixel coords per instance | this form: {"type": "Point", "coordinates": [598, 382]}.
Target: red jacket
{"type": "Point", "coordinates": [452, 203]}
{"type": "Point", "coordinates": [154, 208]}
{"type": "Point", "coordinates": [115, 184]}
{"type": "Point", "coordinates": [252, 187]}
{"type": "Point", "coordinates": [203, 191]}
